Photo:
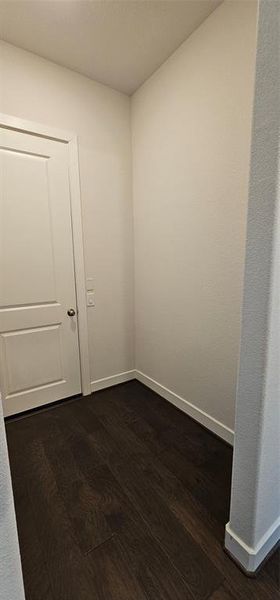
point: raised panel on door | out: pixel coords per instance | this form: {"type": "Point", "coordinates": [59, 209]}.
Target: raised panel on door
{"type": "Point", "coordinates": [33, 357]}
{"type": "Point", "coordinates": [26, 233]}
{"type": "Point", "coordinates": [39, 349]}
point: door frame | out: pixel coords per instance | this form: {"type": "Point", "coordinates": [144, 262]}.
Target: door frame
{"type": "Point", "coordinates": [71, 139]}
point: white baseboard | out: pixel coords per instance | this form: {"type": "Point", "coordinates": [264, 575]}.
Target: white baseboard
{"type": "Point", "coordinates": [199, 415]}
{"type": "Point", "coordinates": [100, 384]}
{"type": "Point", "coordinates": [196, 413]}
{"type": "Point", "coordinates": [247, 557]}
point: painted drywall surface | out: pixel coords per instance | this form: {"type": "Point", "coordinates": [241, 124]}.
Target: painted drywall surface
{"type": "Point", "coordinates": [33, 88]}
{"type": "Point", "coordinates": [255, 503]}
{"type": "Point", "coordinates": [191, 127]}
{"type": "Point", "coordinates": [117, 43]}
{"type": "Point", "coordinates": [11, 584]}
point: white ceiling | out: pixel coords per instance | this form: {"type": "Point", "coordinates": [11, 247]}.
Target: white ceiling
{"type": "Point", "coordinates": [119, 43]}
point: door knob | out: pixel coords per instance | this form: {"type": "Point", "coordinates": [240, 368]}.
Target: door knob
{"type": "Point", "coordinates": [71, 312]}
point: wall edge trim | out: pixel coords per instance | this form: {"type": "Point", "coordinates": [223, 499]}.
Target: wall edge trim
{"type": "Point", "coordinates": [247, 557]}
{"type": "Point", "coordinates": [187, 407]}
{"type": "Point", "coordinates": [105, 382]}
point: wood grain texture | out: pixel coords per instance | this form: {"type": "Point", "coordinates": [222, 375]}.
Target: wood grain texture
{"type": "Point", "coordinates": [119, 496]}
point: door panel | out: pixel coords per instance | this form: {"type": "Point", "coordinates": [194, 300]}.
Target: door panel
{"type": "Point", "coordinates": [39, 350]}
{"type": "Point", "coordinates": [22, 208]}
{"type": "Point", "coordinates": [33, 358]}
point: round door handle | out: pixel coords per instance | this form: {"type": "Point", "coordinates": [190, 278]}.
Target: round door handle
{"type": "Point", "coordinates": [71, 312]}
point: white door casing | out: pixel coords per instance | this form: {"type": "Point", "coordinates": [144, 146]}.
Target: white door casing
{"type": "Point", "coordinates": [39, 342]}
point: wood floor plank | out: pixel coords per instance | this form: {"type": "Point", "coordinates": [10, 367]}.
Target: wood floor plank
{"type": "Point", "coordinates": [119, 496]}
{"type": "Point", "coordinates": [113, 578]}
{"type": "Point", "coordinates": [69, 575]}
{"type": "Point", "coordinates": [180, 547]}
{"type": "Point", "coordinates": [257, 589]}
{"type": "Point", "coordinates": [79, 497]}
{"type": "Point", "coordinates": [197, 570]}
{"type": "Point", "coordinates": [35, 573]}
{"type": "Point", "coordinates": [148, 436]}
{"type": "Point", "coordinates": [184, 506]}
{"type": "Point", "coordinates": [188, 451]}
{"type": "Point", "coordinates": [157, 576]}
{"type": "Point", "coordinates": [181, 501]}
{"type": "Point", "coordinates": [222, 594]}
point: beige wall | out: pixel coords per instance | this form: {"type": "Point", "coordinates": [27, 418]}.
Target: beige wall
{"type": "Point", "coordinates": [35, 89]}
{"type": "Point", "coordinates": [255, 496]}
{"type": "Point", "coordinates": [191, 124]}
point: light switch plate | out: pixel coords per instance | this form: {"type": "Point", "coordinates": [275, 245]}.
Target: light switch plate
{"type": "Point", "coordinates": [90, 299]}
{"type": "Point", "coordinates": [89, 284]}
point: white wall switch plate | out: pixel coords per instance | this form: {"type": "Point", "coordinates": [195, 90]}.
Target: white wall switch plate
{"type": "Point", "coordinates": [90, 299]}
{"type": "Point", "coordinates": [89, 283]}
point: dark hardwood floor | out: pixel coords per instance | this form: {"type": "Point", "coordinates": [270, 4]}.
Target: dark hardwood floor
{"type": "Point", "coordinates": [120, 496]}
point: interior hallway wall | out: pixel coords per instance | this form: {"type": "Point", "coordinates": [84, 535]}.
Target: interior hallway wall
{"type": "Point", "coordinates": [36, 89]}
{"type": "Point", "coordinates": [254, 526]}
{"type": "Point", "coordinates": [191, 127]}
{"type": "Point", "coordinates": [11, 582]}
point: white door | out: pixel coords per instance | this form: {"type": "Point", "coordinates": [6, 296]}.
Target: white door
{"type": "Point", "coordinates": [39, 352]}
